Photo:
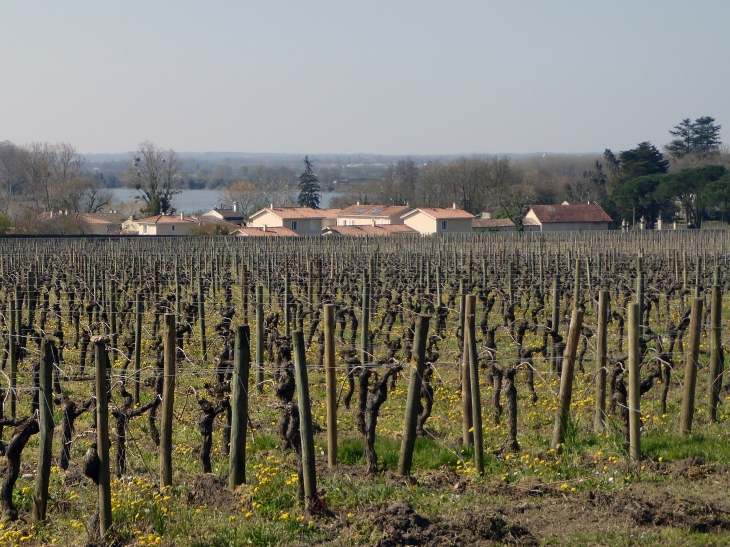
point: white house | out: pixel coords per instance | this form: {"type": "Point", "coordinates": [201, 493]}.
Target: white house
{"type": "Point", "coordinates": [566, 217]}
{"type": "Point", "coordinates": [167, 225]}
{"type": "Point", "coordinates": [224, 213]}
{"type": "Point", "coordinates": [305, 221]}
{"type": "Point", "coordinates": [439, 220]}
{"type": "Point", "coordinates": [358, 215]}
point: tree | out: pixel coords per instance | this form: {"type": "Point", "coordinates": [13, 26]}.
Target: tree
{"type": "Point", "coordinates": [701, 137]}
{"type": "Point", "coordinates": [245, 195]}
{"type": "Point", "coordinates": [718, 192]}
{"type": "Point", "coordinates": [639, 197]}
{"type": "Point", "coordinates": [153, 173]}
{"type": "Point", "coordinates": [687, 187]}
{"type": "Point", "coordinates": [308, 187]}
{"type": "Point", "coordinates": [641, 161]}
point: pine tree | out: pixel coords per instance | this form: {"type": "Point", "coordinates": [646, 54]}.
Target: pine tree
{"type": "Point", "coordinates": [308, 187]}
{"type": "Point", "coordinates": [701, 137]}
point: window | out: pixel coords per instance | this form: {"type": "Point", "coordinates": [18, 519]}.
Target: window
{"type": "Point", "coordinates": [294, 225]}
{"type": "Point", "coordinates": [144, 228]}
{"type": "Point", "coordinates": [312, 225]}
{"type": "Point", "coordinates": [444, 225]}
{"type": "Point", "coordinates": [173, 227]}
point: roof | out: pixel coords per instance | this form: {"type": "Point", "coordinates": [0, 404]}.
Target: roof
{"type": "Point", "coordinates": [264, 232]}
{"type": "Point", "coordinates": [367, 230]}
{"type": "Point", "coordinates": [491, 223]}
{"type": "Point", "coordinates": [165, 219]}
{"type": "Point", "coordinates": [440, 212]}
{"type": "Point", "coordinates": [375, 210]}
{"type": "Point", "coordinates": [88, 218]}
{"type": "Point", "coordinates": [226, 214]}
{"type": "Point", "coordinates": [566, 213]}
{"type": "Point", "coordinates": [296, 213]}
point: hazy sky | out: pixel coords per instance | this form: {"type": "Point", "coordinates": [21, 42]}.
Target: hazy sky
{"type": "Point", "coordinates": [391, 77]}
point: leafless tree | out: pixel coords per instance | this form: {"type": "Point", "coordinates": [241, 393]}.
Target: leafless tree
{"type": "Point", "coordinates": [152, 173]}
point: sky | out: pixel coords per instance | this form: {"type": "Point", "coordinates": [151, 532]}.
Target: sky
{"type": "Point", "coordinates": [382, 77]}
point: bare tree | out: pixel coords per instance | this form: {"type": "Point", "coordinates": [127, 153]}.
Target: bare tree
{"type": "Point", "coordinates": [49, 170]}
{"type": "Point", "coordinates": [152, 172]}
{"type": "Point", "coordinates": [245, 195]}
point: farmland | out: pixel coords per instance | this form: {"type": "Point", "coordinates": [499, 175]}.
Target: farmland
{"type": "Point", "coordinates": [392, 338]}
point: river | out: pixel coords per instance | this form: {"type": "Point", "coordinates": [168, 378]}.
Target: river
{"type": "Point", "coordinates": [190, 201]}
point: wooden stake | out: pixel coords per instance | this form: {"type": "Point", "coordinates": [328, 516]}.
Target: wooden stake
{"type": "Point", "coordinates": [329, 366]}
{"type": "Point", "coordinates": [309, 471]}
{"type": "Point", "coordinates": [716, 365]}
{"type": "Point", "coordinates": [239, 416]}
{"type": "Point", "coordinates": [476, 399]}
{"type": "Point", "coordinates": [168, 399]}
{"type": "Point", "coordinates": [405, 457]}
{"type": "Point", "coordinates": [102, 435]}
{"type": "Point", "coordinates": [690, 371]}
{"type": "Point", "coordinates": [45, 445]}
{"type": "Point", "coordinates": [634, 381]}
{"type": "Point", "coordinates": [566, 380]}
{"type": "Point", "coordinates": [599, 421]}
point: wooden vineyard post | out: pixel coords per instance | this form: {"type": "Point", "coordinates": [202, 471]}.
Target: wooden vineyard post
{"type": "Point", "coordinates": [260, 338]}
{"type": "Point", "coordinates": [113, 317]}
{"type": "Point", "coordinates": [137, 345]}
{"type": "Point", "coordinates": [201, 317]}
{"type": "Point", "coordinates": [690, 371]}
{"type": "Point", "coordinates": [476, 399]}
{"type": "Point", "coordinates": [329, 366]}
{"type": "Point", "coordinates": [178, 306]}
{"type": "Point", "coordinates": [244, 292]}
{"type": "Point", "coordinates": [241, 363]}
{"type": "Point", "coordinates": [599, 421]}
{"type": "Point", "coordinates": [640, 291]}
{"type": "Point", "coordinates": [13, 350]}
{"type": "Point", "coordinates": [555, 319]}
{"type": "Point", "coordinates": [45, 445]}
{"type": "Point", "coordinates": [405, 457]}
{"type": "Point", "coordinates": [309, 471]}
{"type": "Point", "coordinates": [168, 398]}
{"type": "Point", "coordinates": [566, 380]}
{"type": "Point", "coordinates": [365, 323]}
{"type": "Point", "coordinates": [467, 404]}
{"type": "Point", "coordinates": [102, 435]}
{"type": "Point", "coordinates": [634, 381]}
{"type": "Point", "coordinates": [716, 364]}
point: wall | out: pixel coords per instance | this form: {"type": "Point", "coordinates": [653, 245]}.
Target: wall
{"type": "Point", "coordinates": [423, 224]}
{"type": "Point", "coordinates": [455, 226]}
{"type": "Point", "coordinates": [268, 219]}
{"type": "Point", "coordinates": [568, 227]}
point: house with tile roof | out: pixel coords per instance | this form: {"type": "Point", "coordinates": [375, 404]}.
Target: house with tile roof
{"type": "Point", "coordinates": [356, 215]}
{"type": "Point", "coordinates": [167, 225]}
{"type": "Point", "coordinates": [305, 221]}
{"type": "Point", "coordinates": [439, 220]}
{"type": "Point", "coordinates": [266, 231]}
{"type": "Point", "coordinates": [493, 225]}
{"type": "Point", "coordinates": [231, 214]}
{"type": "Point", "coordinates": [566, 217]}
{"type": "Point", "coordinates": [362, 230]}
{"type": "Point", "coordinates": [85, 223]}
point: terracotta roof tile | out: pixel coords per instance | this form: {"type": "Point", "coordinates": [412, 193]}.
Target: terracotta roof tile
{"type": "Point", "coordinates": [165, 219]}
{"type": "Point", "coordinates": [441, 212]}
{"type": "Point", "coordinates": [375, 210]}
{"type": "Point", "coordinates": [368, 230]}
{"type": "Point", "coordinates": [576, 212]}
{"type": "Point", "coordinates": [268, 232]}
{"type": "Point", "coordinates": [491, 223]}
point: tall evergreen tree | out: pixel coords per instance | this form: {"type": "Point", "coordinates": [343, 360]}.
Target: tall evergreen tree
{"type": "Point", "coordinates": [309, 189]}
{"type": "Point", "coordinates": [701, 137]}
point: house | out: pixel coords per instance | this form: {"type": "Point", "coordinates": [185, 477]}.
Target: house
{"type": "Point", "coordinates": [224, 213]}
{"type": "Point", "coordinates": [86, 223]}
{"type": "Point", "coordinates": [373, 229]}
{"type": "Point", "coordinates": [566, 217]}
{"type": "Point", "coordinates": [357, 214]}
{"type": "Point", "coordinates": [439, 220]}
{"type": "Point", "coordinates": [266, 231]}
{"type": "Point", "coordinates": [492, 225]}
{"type": "Point", "coordinates": [305, 221]}
{"type": "Point", "coordinates": [167, 225]}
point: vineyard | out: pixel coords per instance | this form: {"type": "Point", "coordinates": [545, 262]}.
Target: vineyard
{"type": "Point", "coordinates": [484, 389]}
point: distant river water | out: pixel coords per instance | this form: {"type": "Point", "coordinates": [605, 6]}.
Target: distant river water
{"type": "Point", "coordinates": [189, 201]}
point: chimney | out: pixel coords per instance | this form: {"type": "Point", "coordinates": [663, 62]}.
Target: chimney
{"type": "Point", "coordinates": [182, 217]}
{"type": "Point", "coordinates": [358, 203]}
{"type": "Point", "coordinates": [454, 206]}
{"type": "Point", "coordinates": [51, 214]}
{"type": "Point", "coordinates": [271, 205]}
{"type": "Point", "coordinates": [235, 206]}
{"type": "Point", "coordinates": [264, 227]}
{"type": "Point", "coordinates": [373, 223]}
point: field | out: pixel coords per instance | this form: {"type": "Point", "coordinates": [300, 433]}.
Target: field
{"type": "Point", "coordinates": [73, 302]}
